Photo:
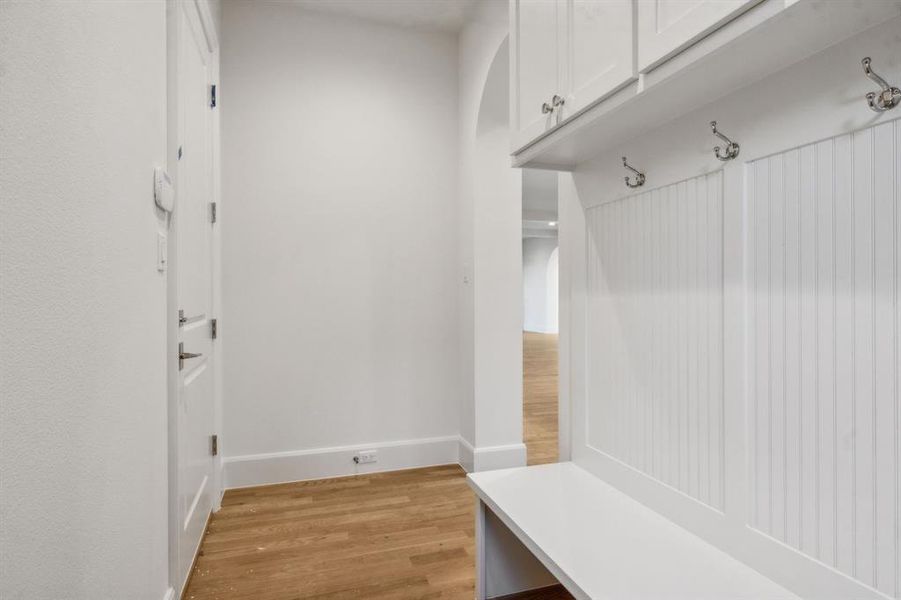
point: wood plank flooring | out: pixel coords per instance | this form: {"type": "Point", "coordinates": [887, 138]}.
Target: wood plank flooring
{"type": "Point", "coordinates": [539, 357]}
{"type": "Point", "coordinates": [403, 535]}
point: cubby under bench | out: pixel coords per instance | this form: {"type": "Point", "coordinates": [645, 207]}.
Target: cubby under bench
{"type": "Point", "coordinates": [539, 525]}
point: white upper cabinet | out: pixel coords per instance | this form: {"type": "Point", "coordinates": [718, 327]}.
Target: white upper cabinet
{"type": "Point", "coordinates": [621, 66]}
{"type": "Point", "coordinates": [597, 51]}
{"type": "Point", "coordinates": [565, 56]}
{"type": "Point", "coordinates": [666, 27]}
{"type": "Point", "coordinates": [534, 67]}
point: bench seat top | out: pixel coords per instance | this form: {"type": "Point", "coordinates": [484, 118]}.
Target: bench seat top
{"type": "Point", "coordinates": [602, 544]}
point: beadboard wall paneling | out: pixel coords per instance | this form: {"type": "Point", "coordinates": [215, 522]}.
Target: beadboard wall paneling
{"type": "Point", "coordinates": [824, 348]}
{"type": "Point", "coordinates": [655, 334]}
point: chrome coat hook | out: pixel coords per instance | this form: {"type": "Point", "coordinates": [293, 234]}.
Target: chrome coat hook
{"type": "Point", "coordinates": [888, 98]}
{"type": "Point", "coordinates": [731, 147]}
{"type": "Point", "coordinates": [639, 176]}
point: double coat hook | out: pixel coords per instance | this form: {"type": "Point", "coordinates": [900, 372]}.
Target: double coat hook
{"type": "Point", "coordinates": [731, 150]}
{"type": "Point", "coordinates": [887, 98]}
{"type": "Point", "coordinates": [639, 176]}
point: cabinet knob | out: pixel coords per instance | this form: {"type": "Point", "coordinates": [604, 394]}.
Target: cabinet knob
{"type": "Point", "coordinates": [556, 101]}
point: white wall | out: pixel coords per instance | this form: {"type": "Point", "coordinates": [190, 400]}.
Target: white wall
{"type": "Point", "coordinates": [490, 250]}
{"type": "Point", "coordinates": [650, 324]}
{"type": "Point", "coordinates": [539, 278]}
{"type": "Point", "coordinates": [339, 243]}
{"type": "Point", "coordinates": [82, 306]}
{"type": "Point", "coordinates": [539, 195]}
{"type": "Point", "coordinates": [553, 291]}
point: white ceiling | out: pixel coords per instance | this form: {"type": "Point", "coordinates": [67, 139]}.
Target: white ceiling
{"type": "Point", "coordinates": [427, 15]}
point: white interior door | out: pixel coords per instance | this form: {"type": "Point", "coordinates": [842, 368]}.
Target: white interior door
{"type": "Point", "coordinates": [596, 49]}
{"type": "Point", "coordinates": [534, 67]}
{"type": "Point", "coordinates": [665, 27]}
{"type": "Point", "coordinates": [195, 412]}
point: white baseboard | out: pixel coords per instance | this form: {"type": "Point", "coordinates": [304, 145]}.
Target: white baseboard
{"type": "Point", "coordinates": [467, 455]}
{"type": "Point", "coordinates": [537, 330]}
{"type": "Point", "coordinates": [321, 463]}
{"type": "Point", "coordinates": [488, 458]}
{"type": "Point", "coordinates": [169, 595]}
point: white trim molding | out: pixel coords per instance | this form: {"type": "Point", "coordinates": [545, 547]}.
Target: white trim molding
{"type": "Point", "coordinates": [488, 458]}
{"type": "Point", "coordinates": [320, 463]}
{"type": "Point", "coordinates": [170, 594]}
{"type": "Point", "coordinates": [466, 455]}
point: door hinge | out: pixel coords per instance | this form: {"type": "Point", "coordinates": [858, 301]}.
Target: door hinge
{"type": "Point", "coordinates": [214, 328]}
{"type": "Point", "coordinates": [213, 96]}
{"type": "Point", "coordinates": [179, 153]}
{"type": "Point", "coordinates": [214, 445]}
{"type": "Point", "coordinates": [212, 212]}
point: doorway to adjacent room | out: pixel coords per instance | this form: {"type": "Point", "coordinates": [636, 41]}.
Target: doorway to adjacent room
{"type": "Point", "coordinates": [540, 313]}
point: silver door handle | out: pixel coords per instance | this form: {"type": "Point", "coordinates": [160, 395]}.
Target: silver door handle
{"type": "Point", "coordinates": [182, 355]}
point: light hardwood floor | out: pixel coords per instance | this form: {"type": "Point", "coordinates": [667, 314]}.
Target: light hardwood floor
{"type": "Point", "coordinates": [404, 535]}
{"type": "Point", "coordinates": [400, 535]}
{"type": "Point", "coordinates": [539, 358]}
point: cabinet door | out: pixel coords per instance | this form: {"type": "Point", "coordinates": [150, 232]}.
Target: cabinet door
{"type": "Point", "coordinates": [534, 69]}
{"type": "Point", "coordinates": [667, 26]}
{"type": "Point", "coordinates": [596, 49]}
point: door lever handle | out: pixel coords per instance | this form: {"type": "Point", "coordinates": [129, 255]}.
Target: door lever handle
{"type": "Point", "coordinates": [182, 355]}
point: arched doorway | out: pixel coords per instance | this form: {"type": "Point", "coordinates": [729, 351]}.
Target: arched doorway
{"type": "Point", "coordinates": [491, 307]}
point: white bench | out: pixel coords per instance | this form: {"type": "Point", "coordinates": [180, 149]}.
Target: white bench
{"type": "Point", "coordinates": [537, 524]}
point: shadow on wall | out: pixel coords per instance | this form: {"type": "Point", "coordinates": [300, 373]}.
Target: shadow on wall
{"type": "Point", "coordinates": [494, 108]}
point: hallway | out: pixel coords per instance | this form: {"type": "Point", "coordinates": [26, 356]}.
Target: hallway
{"type": "Point", "coordinates": [539, 411]}
{"type": "Point", "coordinates": [450, 299]}
{"type": "Point", "coordinates": [407, 534]}
{"type": "Point", "coordinates": [398, 535]}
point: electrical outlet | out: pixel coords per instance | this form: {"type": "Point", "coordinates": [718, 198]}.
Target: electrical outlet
{"type": "Point", "coordinates": [366, 456]}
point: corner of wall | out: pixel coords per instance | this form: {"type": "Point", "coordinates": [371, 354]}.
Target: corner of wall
{"type": "Point", "coordinates": [466, 455]}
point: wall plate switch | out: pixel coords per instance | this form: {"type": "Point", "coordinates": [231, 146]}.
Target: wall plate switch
{"type": "Point", "coordinates": [366, 456]}
{"type": "Point", "coordinates": [162, 252]}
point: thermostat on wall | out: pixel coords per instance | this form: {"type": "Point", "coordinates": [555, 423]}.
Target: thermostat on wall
{"type": "Point", "coordinates": [163, 192]}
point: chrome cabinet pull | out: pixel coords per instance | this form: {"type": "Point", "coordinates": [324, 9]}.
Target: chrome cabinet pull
{"type": "Point", "coordinates": [556, 102]}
